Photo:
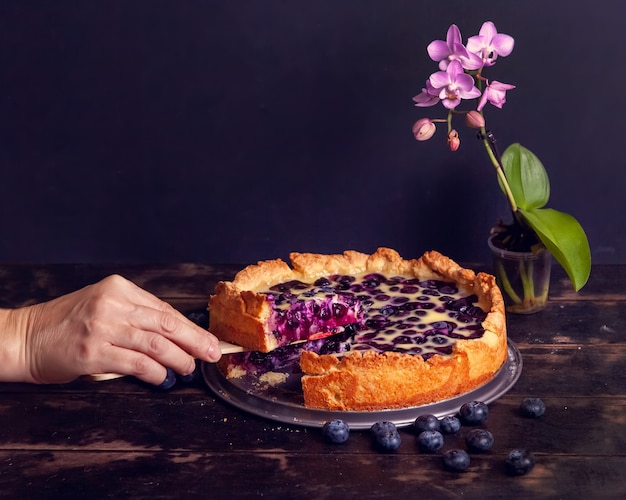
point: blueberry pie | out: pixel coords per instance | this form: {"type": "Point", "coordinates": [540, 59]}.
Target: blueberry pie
{"type": "Point", "coordinates": [367, 332]}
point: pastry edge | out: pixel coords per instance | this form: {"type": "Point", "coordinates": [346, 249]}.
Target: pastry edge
{"type": "Point", "coordinates": [355, 382]}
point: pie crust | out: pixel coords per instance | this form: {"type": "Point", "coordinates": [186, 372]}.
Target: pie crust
{"type": "Point", "coordinates": [240, 313]}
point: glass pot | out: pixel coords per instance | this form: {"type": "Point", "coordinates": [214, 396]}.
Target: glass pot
{"type": "Point", "coordinates": [523, 278]}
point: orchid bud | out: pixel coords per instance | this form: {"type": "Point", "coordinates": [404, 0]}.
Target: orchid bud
{"type": "Point", "coordinates": [474, 119]}
{"type": "Point", "coordinates": [453, 140]}
{"type": "Point", "coordinates": [423, 129]}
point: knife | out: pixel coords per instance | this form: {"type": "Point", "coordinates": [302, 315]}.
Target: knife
{"type": "Point", "coordinates": [225, 347]}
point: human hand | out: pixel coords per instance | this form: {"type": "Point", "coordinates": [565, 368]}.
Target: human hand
{"type": "Point", "coordinates": [111, 326]}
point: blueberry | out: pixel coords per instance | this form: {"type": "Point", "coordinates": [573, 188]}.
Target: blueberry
{"type": "Point", "coordinates": [427, 422]}
{"type": "Point", "coordinates": [372, 280]}
{"type": "Point", "coordinates": [456, 460]}
{"type": "Point", "coordinates": [428, 284]}
{"type": "Point", "coordinates": [345, 279]}
{"type": "Point", "coordinates": [339, 310]}
{"type": "Point", "coordinates": [170, 380]}
{"type": "Point", "coordinates": [445, 326]}
{"type": "Point", "coordinates": [324, 313]}
{"type": "Point", "coordinates": [386, 436]}
{"type": "Point", "coordinates": [200, 318]}
{"type": "Point", "coordinates": [322, 282]}
{"type": "Point", "coordinates": [430, 441]}
{"type": "Point", "coordinates": [388, 310]}
{"type": "Point", "coordinates": [336, 431]}
{"type": "Point", "coordinates": [532, 407]}
{"type": "Point", "coordinates": [402, 339]}
{"type": "Point", "coordinates": [479, 440]}
{"type": "Point", "coordinates": [473, 413]}
{"type": "Point", "coordinates": [448, 289]}
{"type": "Point", "coordinates": [450, 424]}
{"type": "Point", "coordinates": [400, 300]}
{"type": "Point", "coordinates": [188, 379]}
{"type": "Point", "coordinates": [383, 426]}
{"type": "Point", "coordinates": [519, 462]}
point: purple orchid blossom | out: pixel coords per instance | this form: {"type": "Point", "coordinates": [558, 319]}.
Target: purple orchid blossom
{"type": "Point", "coordinates": [460, 69]}
{"type": "Point", "coordinates": [428, 97]}
{"type": "Point", "coordinates": [495, 93]}
{"type": "Point", "coordinates": [453, 85]}
{"type": "Point", "coordinates": [453, 50]}
{"type": "Point", "coordinates": [489, 44]}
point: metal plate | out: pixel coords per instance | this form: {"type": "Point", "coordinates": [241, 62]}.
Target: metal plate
{"type": "Point", "coordinates": [284, 402]}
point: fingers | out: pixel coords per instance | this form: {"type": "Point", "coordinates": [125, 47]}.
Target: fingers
{"type": "Point", "coordinates": [158, 348]}
{"type": "Point", "coordinates": [128, 362]}
{"type": "Point", "coordinates": [142, 334]}
{"type": "Point", "coordinates": [173, 326]}
{"type": "Point", "coordinates": [153, 314]}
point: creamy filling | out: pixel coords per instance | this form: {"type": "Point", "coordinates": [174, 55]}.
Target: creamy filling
{"type": "Point", "coordinates": [366, 312]}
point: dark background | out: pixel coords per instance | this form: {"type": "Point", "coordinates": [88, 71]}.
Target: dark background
{"type": "Point", "coordinates": [233, 131]}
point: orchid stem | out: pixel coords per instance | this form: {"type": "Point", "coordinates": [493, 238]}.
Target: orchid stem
{"type": "Point", "coordinates": [526, 273]}
{"type": "Point", "coordinates": [506, 284]}
{"type": "Point", "coordinates": [488, 141]}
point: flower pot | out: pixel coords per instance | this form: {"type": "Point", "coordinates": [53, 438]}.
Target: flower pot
{"type": "Point", "coordinates": [523, 278]}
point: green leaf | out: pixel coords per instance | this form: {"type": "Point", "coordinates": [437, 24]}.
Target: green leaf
{"type": "Point", "coordinates": [526, 176]}
{"type": "Point", "coordinates": [565, 238]}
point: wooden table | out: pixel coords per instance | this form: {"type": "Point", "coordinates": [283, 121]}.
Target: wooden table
{"type": "Point", "coordinates": [124, 439]}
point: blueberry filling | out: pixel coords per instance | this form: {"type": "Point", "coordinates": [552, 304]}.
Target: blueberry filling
{"type": "Point", "coordinates": [368, 312]}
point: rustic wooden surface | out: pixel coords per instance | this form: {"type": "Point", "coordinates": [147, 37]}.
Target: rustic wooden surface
{"type": "Point", "coordinates": [125, 439]}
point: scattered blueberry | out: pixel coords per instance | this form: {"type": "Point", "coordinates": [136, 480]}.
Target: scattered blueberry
{"type": "Point", "coordinates": [170, 380]}
{"type": "Point", "coordinates": [519, 462]}
{"type": "Point", "coordinates": [188, 379]}
{"type": "Point", "coordinates": [456, 460]}
{"type": "Point", "coordinates": [532, 407]}
{"type": "Point", "coordinates": [473, 413]}
{"type": "Point", "coordinates": [479, 440]}
{"type": "Point", "coordinates": [430, 441]}
{"type": "Point", "coordinates": [386, 436]}
{"type": "Point", "coordinates": [200, 318]}
{"type": "Point", "coordinates": [336, 431]}
{"type": "Point", "coordinates": [383, 426]}
{"type": "Point", "coordinates": [449, 424]}
{"type": "Point", "coordinates": [427, 423]}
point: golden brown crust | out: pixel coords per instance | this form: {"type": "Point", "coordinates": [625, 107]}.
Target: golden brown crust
{"type": "Point", "coordinates": [239, 316]}
{"type": "Point", "coordinates": [310, 265]}
{"type": "Point", "coordinates": [373, 381]}
{"type": "Point", "coordinates": [355, 382]}
{"type": "Point", "coordinates": [369, 381]}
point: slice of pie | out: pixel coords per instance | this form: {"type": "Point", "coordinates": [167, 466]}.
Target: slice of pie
{"type": "Point", "coordinates": [368, 332]}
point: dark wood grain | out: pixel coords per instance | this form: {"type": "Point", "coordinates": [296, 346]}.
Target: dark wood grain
{"type": "Point", "coordinates": [125, 439]}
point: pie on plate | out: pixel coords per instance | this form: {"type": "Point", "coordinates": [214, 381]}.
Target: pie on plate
{"type": "Point", "coordinates": [368, 332]}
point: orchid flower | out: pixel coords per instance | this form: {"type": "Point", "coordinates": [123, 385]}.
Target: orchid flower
{"type": "Point", "coordinates": [495, 93]}
{"type": "Point", "coordinates": [453, 85]}
{"type": "Point", "coordinates": [520, 174]}
{"type": "Point", "coordinates": [453, 50]}
{"type": "Point", "coordinates": [428, 97]}
{"type": "Point", "coordinates": [489, 44]}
